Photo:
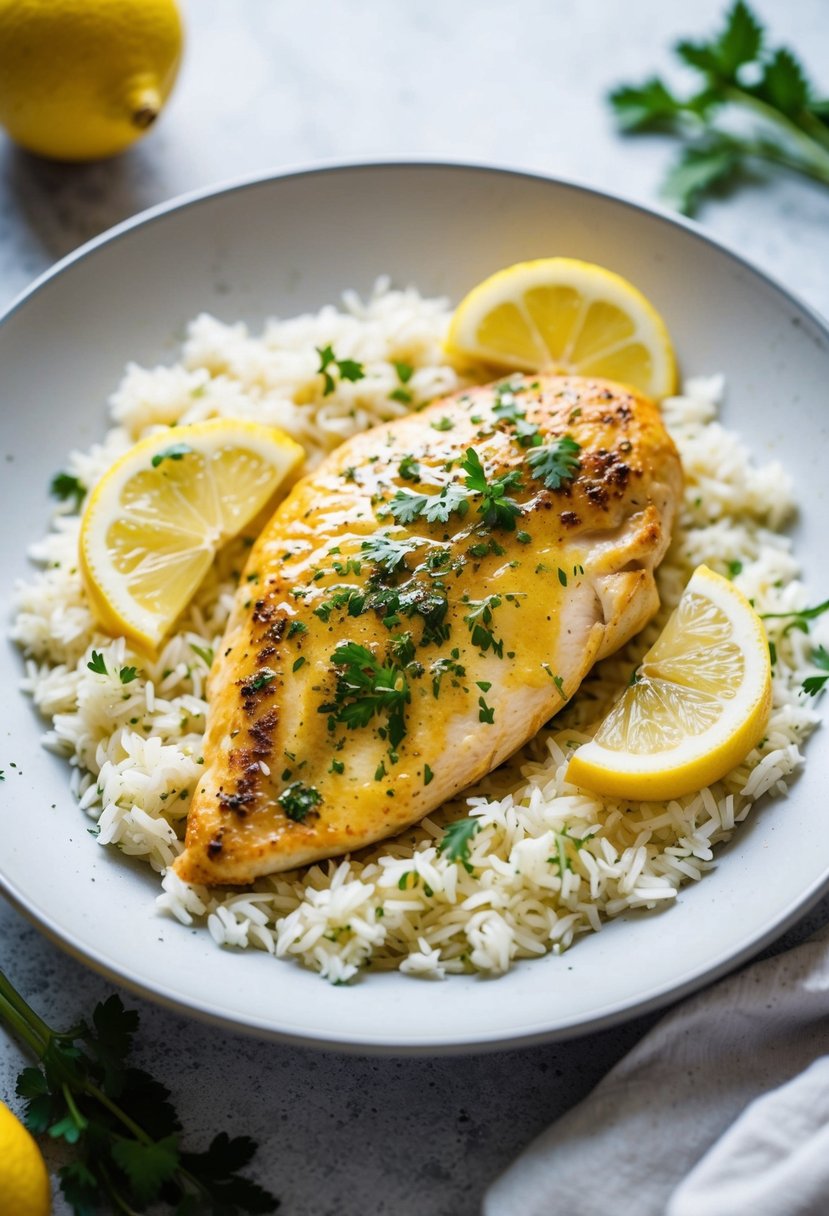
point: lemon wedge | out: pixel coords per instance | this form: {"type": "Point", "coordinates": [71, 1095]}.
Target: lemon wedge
{"type": "Point", "coordinates": [698, 704]}
{"type": "Point", "coordinates": [566, 316]}
{"type": "Point", "coordinates": [155, 520]}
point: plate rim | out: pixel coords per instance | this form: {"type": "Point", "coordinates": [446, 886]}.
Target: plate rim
{"type": "Point", "coordinates": [354, 1042]}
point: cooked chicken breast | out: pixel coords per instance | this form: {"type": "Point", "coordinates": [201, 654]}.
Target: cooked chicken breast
{"type": "Point", "coordinates": [418, 607]}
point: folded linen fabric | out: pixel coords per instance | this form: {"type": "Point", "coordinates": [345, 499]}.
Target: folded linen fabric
{"type": "Point", "coordinates": [721, 1110]}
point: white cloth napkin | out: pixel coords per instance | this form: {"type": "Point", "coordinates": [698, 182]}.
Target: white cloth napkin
{"type": "Point", "coordinates": [721, 1110]}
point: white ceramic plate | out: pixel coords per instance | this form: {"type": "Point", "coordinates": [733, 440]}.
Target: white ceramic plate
{"type": "Point", "coordinates": [291, 243]}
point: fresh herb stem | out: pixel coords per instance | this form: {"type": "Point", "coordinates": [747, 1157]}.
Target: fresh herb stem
{"type": "Point", "coordinates": [743, 76]}
{"type": "Point", "coordinates": [21, 1028]}
{"type": "Point", "coordinates": [83, 1092]}
{"type": "Point", "coordinates": [814, 143]}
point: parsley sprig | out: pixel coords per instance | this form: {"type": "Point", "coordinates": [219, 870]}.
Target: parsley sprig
{"type": "Point", "coordinates": [555, 463]}
{"type": "Point", "coordinates": [64, 486]}
{"type": "Point", "coordinates": [456, 840]}
{"type": "Point", "coordinates": [496, 508]}
{"type": "Point", "coordinates": [349, 369]}
{"type": "Point", "coordinates": [815, 684]}
{"type": "Point", "coordinates": [118, 1124]}
{"type": "Point", "coordinates": [740, 74]}
{"type": "Point", "coordinates": [365, 687]}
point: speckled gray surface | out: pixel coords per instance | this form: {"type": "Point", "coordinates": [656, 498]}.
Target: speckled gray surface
{"type": "Point", "coordinates": [269, 84]}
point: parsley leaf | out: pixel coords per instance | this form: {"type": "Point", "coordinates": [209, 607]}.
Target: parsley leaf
{"type": "Point", "coordinates": [555, 463]}
{"type": "Point", "coordinates": [365, 687]}
{"type": "Point", "coordinates": [781, 120]}
{"type": "Point", "coordinates": [64, 486]}
{"type": "Point", "coordinates": [298, 800]}
{"type": "Point", "coordinates": [97, 663]}
{"type": "Point", "coordinates": [349, 369]}
{"type": "Point", "coordinates": [176, 451]}
{"type": "Point", "coordinates": [147, 1166]}
{"type": "Point", "coordinates": [405, 371]}
{"type": "Point", "coordinates": [815, 684]}
{"type": "Point", "coordinates": [128, 674]}
{"type": "Point", "coordinates": [206, 653]}
{"type": "Point", "coordinates": [457, 838]}
{"type": "Point", "coordinates": [497, 509]}
{"type": "Point", "coordinates": [388, 552]}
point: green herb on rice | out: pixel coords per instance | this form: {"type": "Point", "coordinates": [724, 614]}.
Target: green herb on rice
{"type": "Point", "coordinates": [349, 369]}
{"type": "Point", "coordinates": [457, 837]}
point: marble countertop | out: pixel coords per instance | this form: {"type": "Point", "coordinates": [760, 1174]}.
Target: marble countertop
{"type": "Point", "coordinates": [268, 85]}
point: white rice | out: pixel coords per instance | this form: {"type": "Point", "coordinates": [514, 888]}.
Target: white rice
{"type": "Point", "coordinates": [549, 862]}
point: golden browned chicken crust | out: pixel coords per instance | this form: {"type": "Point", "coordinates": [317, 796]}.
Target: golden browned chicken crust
{"type": "Point", "coordinates": [374, 667]}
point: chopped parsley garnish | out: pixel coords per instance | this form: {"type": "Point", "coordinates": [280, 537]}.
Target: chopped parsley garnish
{"type": "Point", "coordinates": [298, 663]}
{"type": "Point", "coordinates": [815, 684]}
{"type": "Point", "coordinates": [64, 486]}
{"type": "Point", "coordinates": [205, 653]}
{"type": "Point", "coordinates": [409, 469]}
{"type": "Point", "coordinates": [388, 552]}
{"type": "Point", "coordinates": [406, 507]}
{"type": "Point", "coordinates": [405, 371]}
{"type": "Point", "coordinates": [734, 568]}
{"type": "Point", "coordinates": [457, 838]}
{"type": "Point", "coordinates": [349, 595]}
{"type": "Point", "coordinates": [128, 674]}
{"type": "Point", "coordinates": [402, 395]}
{"type": "Point", "coordinates": [366, 687]}
{"type": "Point", "coordinates": [446, 666]}
{"type": "Point", "coordinates": [486, 713]}
{"type": "Point", "coordinates": [97, 663]}
{"type": "Point", "coordinates": [798, 618]}
{"type": "Point", "coordinates": [443, 424]}
{"type": "Point", "coordinates": [479, 618]}
{"type": "Point", "coordinates": [427, 775]}
{"type": "Point", "coordinates": [296, 627]}
{"type": "Point", "coordinates": [497, 510]}
{"type": "Point", "coordinates": [258, 682]}
{"type": "Point", "coordinates": [555, 463]}
{"type": "Point", "coordinates": [523, 538]}
{"type": "Point", "coordinates": [297, 800]}
{"type": "Point", "coordinates": [351, 565]}
{"type": "Point", "coordinates": [507, 409]}
{"type": "Point", "coordinates": [337, 766]}
{"type": "Point", "coordinates": [562, 577]}
{"type": "Point", "coordinates": [349, 369]}
{"type": "Point", "coordinates": [176, 451]}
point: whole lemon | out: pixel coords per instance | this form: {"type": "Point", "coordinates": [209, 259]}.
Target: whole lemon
{"type": "Point", "coordinates": [24, 1182]}
{"type": "Point", "coordinates": [83, 79]}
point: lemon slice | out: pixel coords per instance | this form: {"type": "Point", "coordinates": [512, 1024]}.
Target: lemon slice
{"type": "Point", "coordinates": [700, 701]}
{"type": "Point", "coordinates": [566, 316]}
{"type": "Point", "coordinates": [155, 520]}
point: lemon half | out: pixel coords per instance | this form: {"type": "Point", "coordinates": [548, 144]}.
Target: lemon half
{"type": "Point", "coordinates": [155, 520]}
{"type": "Point", "coordinates": [700, 701]}
{"type": "Point", "coordinates": [567, 316]}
